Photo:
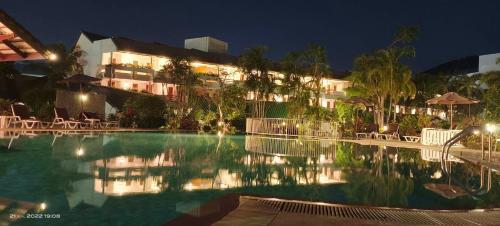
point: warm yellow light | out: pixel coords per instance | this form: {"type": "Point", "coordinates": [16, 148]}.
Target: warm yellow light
{"type": "Point", "coordinates": [385, 128]}
{"type": "Point", "coordinates": [84, 97]}
{"type": "Point", "coordinates": [476, 132]}
{"type": "Point", "coordinates": [413, 111]}
{"type": "Point", "coordinates": [126, 85]}
{"type": "Point", "coordinates": [43, 206]}
{"type": "Point", "coordinates": [490, 128]}
{"type": "Point", "coordinates": [283, 123]}
{"type": "Point", "coordinates": [52, 57]}
{"type": "Point", "coordinates": [298, 125]}
{"type": "Point", "coordinates": [80, 152]}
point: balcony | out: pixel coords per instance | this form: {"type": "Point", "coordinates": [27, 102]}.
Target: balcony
{"type": "Point", "coordinates": [126, 71]}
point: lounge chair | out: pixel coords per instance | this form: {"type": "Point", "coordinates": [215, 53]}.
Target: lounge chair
{"type": "Point", "coordinates": [90, 120]}
{"type": "Point", "coordinates": [62, 118]}
{"type": "Point", "coordinates": [368, 131]}
{"type": "Point", "coordinates": [22, 116]}
{"type": "Point", "coordinates": [98, 121]}
{"type": "Point", "coordinates": [391, 133]}
{"type": "Point", "coordinates": [412, 136]}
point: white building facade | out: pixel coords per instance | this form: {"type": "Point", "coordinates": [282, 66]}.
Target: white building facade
{"type": "Point", "coordinates": [132, 65]}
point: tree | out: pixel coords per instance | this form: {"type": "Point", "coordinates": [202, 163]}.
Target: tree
{"type": "Point", "coordinates": [491, 96]}
{"type": "Point", "coordinates": [467, 84]}
{"type": "Point", "coordinates": [66, 64]}
{"type": "Point", "coordinates": [401, 84]}
{"type": "Point", "coordinates": [294, 84]}
{"type": "Point", "coordinates": [230, 100]}
{"type": "Point", "coordinates": [255, 66]}
{"type": "Point", "coordinates": [368, 77]}
{"type": "Point", "coordinates": [381, 75]}
{"type": "Point", "coordinates": [179, 72]}
{"type": "Point", "coordinates": [317, 68]}
{"type": "Point", "coordinates": [7, 83]}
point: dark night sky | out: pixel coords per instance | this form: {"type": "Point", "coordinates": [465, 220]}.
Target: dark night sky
{"type": "Point", "coordinates": [449, 29]}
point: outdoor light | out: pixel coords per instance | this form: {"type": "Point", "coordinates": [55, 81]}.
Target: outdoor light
{"type": "Point", "coordinates": [397, 108]}
{"type": "Point", "coordinates": [80, 152]}
{"type": "Point", "coordinates": [429, 111]}
{"type": "Point", "coordinates": [283, 123]}
{"type": "Point", "coordinates": [219, 133]}
{"type": "Point", "coordinates": [413, 111]}
{"type": "Point", "coordinates": [490, 128]}
{"type": "Point", "coordinates": [385, 128]}
{"type": "Point", "coordinates": [476, 132]}
{"type": "Point", "coordinates": [220, 123]}
{"type": "Point", "coordinates": [43, 206]}
{"type": "Point", "coordinates": [298, 125]}
{"type": "Point", "coordinates": [83, 97]}
{"type": "Point", "coordinates": [126, 85]}
{"type": "Point", "coordinates": [52, 57]}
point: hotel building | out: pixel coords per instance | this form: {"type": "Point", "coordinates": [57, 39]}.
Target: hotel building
{"type": "Point", "coordinates": [133, 65]}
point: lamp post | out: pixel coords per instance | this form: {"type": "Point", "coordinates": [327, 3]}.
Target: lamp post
{"type": "Point", "coordinates": [490, 128]}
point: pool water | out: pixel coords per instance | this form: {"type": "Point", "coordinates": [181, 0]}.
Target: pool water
{"type": "Point", "coordinates": [152, 178]}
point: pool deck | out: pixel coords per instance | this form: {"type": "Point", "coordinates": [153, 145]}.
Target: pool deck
{"type": "Point", "coordinates": [256, 211]}
{"type": "Point", "coordinates": [467, 154]}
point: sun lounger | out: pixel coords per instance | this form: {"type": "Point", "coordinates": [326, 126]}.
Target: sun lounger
{"type": "Point", "coordinates": [391, 133]}
{"type": "Point", "coordinates": [368, 131]}
{"type": "Point", "coordinates": [22, 116]}
{"type": "Point", "coordinates": [62, 118]}
{"type": "Point", "coordinates": [98, 121]}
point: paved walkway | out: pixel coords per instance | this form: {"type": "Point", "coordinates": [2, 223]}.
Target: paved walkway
{"type": "Point", "coordinates": [471, 155]}
{"type": "Point", "coordinates": [275, 212]}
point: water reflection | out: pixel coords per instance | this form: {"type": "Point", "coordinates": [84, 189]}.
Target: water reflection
{"type": "Point", "coordinates": [93, 167]}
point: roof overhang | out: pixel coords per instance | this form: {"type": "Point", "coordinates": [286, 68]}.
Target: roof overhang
{"type": "Point", "coordinates": [18, 44]}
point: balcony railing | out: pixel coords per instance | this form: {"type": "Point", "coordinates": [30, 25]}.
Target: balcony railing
{"type": "Point", "coordinates": [125, 71]}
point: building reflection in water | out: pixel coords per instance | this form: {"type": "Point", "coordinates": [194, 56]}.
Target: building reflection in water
{"type": "Point", "coordinates": [278, 161]}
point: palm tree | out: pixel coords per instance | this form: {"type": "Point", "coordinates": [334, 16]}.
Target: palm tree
{"type": "Point", "coordinates": [255, 66]}
{"type": "Point", "coordinates": [468, 84]}
{"type": "Point", "coordinates": [179, 72]}
{"type": "Point", "coordinates": [294, 83]}
{"type": "Point", "coordinates": [317, 68]}
{"type": "Point", "coordinates": [368, 77]}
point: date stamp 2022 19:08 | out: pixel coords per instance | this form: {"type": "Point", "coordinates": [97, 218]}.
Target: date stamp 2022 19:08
{"type": "Point", "coordinates": [35, 216]}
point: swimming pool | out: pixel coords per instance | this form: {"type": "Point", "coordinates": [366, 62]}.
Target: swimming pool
{"type": "Point", "coordinates": [150, 178]}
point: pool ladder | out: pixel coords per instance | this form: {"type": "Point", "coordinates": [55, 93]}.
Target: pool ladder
{"type": "Point", "coordinates": [445, 155]}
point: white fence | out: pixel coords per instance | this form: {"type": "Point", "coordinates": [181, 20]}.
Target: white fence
{"type": "Point", "coordinates": [291, 146]}
{"type": "Point", "coordinates": [291, 127]}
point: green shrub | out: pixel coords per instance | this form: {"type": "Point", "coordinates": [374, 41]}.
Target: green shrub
{"type": "Point", "coordinates": [409, 125]}
{"type": "Point", "coordinates": [5, 107]}
{"type": "Point", "coordinates": [144, 111]}
{"type": "Point", "coordinates": [424, 121]}
{"type": "Point", "coordinates": [38, 99]}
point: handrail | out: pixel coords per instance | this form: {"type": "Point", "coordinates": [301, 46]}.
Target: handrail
{"type": "Point", "coordinates": [445, 154]}
{"type": "Point", "coordinates": [453, 140]}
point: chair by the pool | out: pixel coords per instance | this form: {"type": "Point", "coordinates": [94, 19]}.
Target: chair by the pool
{"type": "Point", "coordinates": [412, 136]}
{"type": "Point", "coordinates": [392, 132]}
{"type": "Point", "coordinates": [62, 118]}
{"type": "Point", "coordinates": [100, 122]}
{"type": "Point", "coordinates": [367, 131]}
{"type": "Point", "coordinates": [23, 116]}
